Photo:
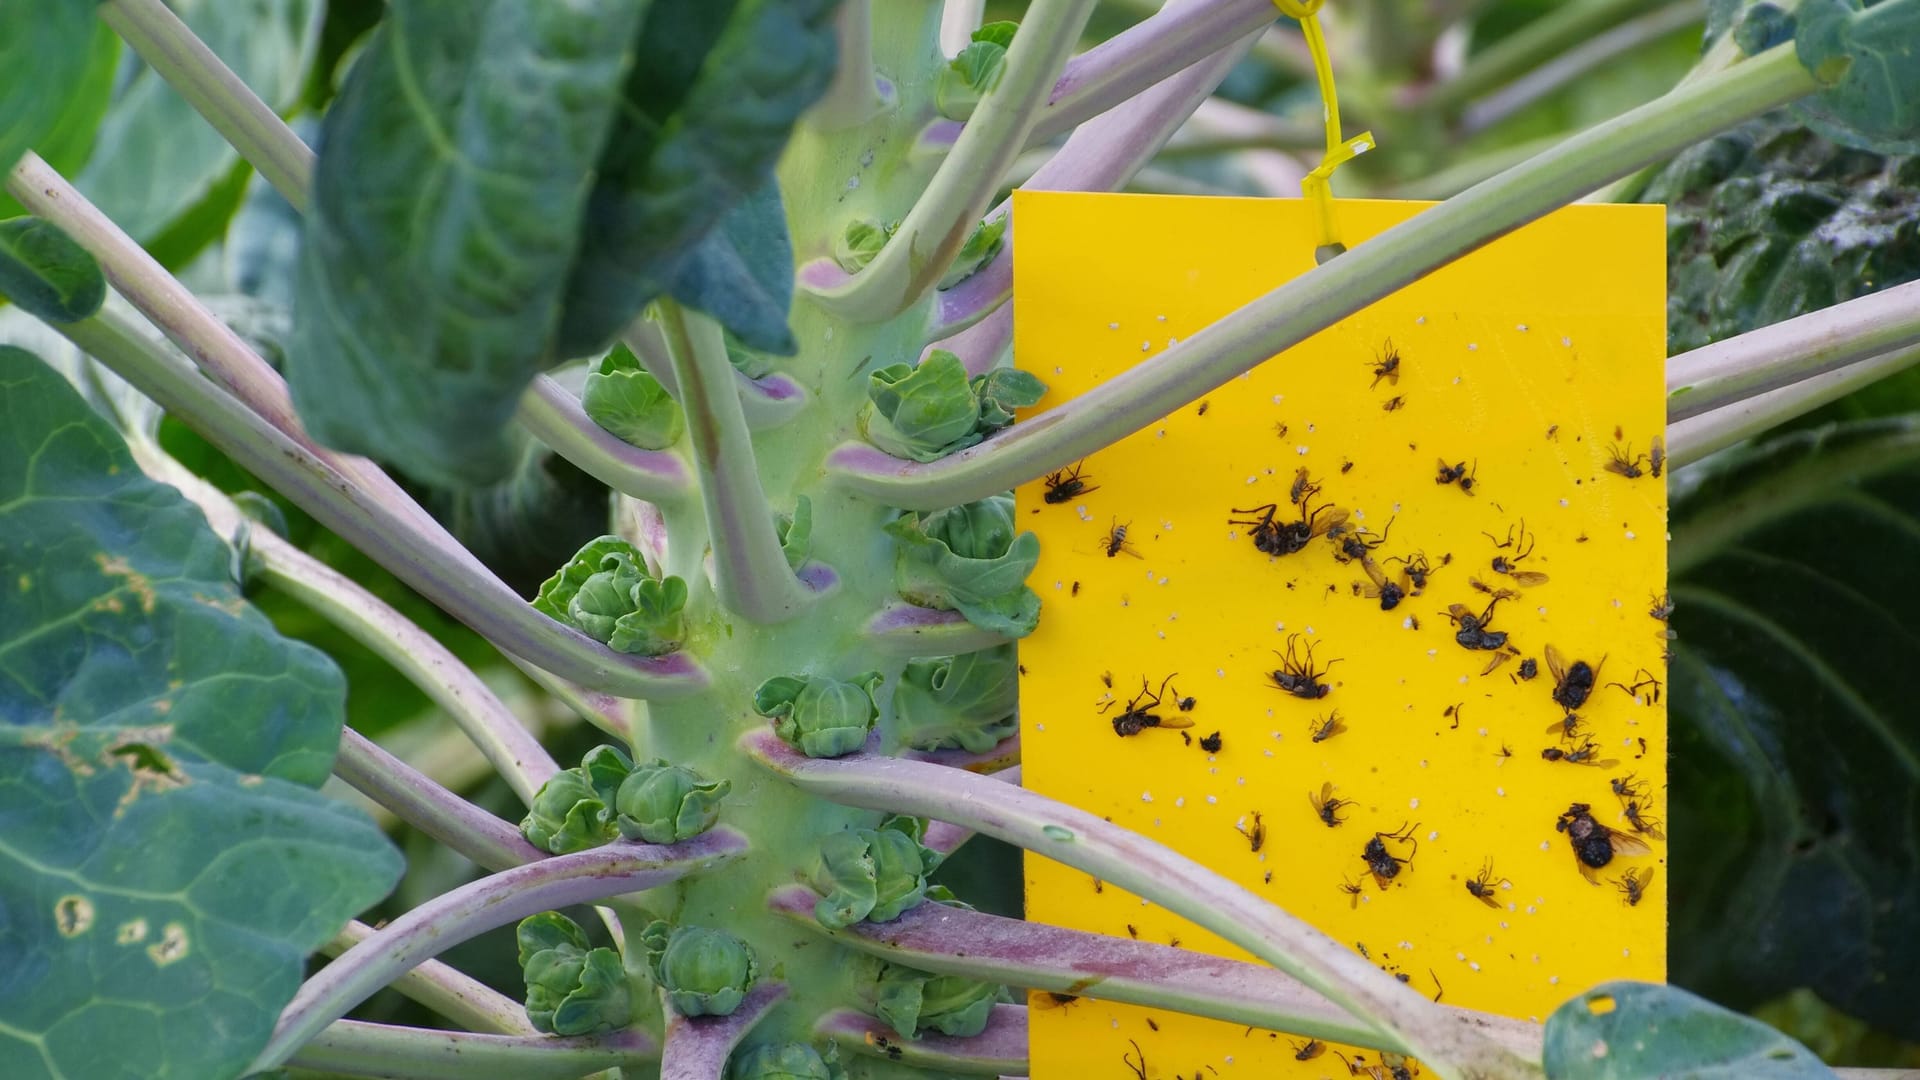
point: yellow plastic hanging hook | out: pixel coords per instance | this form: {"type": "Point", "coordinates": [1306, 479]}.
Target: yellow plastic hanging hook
{"type": "Point", "coordinates": [1317, 186]}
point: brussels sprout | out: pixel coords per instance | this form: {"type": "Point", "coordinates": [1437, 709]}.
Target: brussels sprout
{"type": "Point", "coordinates": [972, 75]}
{"type": "Point", "coordinates": [664, 804]}
{"type": "Point", "coordinates": [923, 411]}
{"type": "Point", "coordinates": [968, 559]}
{"type": "Point", "coordinates": [817, 715]}
{"type": "Point", "coordinates": [605, 592]}
{"type": "Point", "coordinates": [1001, 391]}
{"type": "Point", "coordinates": [628, 401]}
{"type": "Point", "coordinates": [704, 972]}
{"type": "Point", "coordinates": [571, 989]}
{"type": "Point", "coordinates": [912, 1002]}
{"type": "Point", "coordinates": [567, 815]}
{"type": "Point", "coordinates": [872, 874]}
{"type": "Point", "coordinates": [861, 241]}
{"type": "Point", "coordinates": [558, 591]}
{"type": "Point", "coordinates": [795, 533]}
{"type": "Point", "coordinates": [786, 1061]}
{"type": "Point", "coordinates": [982, 244]}
{"type": "Point", "coordinates": [605, 768]}
{"type": "Point", "coordinates": [965, 702]}
{"type": "Point", "coordinates": [655, 626]}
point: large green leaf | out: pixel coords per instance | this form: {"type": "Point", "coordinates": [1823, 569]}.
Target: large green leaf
{"type": "Point", "coordinates": [1796, 760]}
{"type": "Point", "coordinates": [49, 275]}
{"type": "Point", "coordinates": [1876, 103]}
{"type": "Point", "coordinates": [715, 90]}
{"type": "Point", "coordinates": [156, 157]}
{"type": "Point", "coordinates": [1630, 1031]}
{"type": "Point", "coordinates": [446, 212]}
{"type": "Point", "coordinates": [45, 49]}
{"type": "Point", "coordinates": [68, 137]}
{"type": "Point", "coordinates": [165, 866]}
{"type": "Point", "coordinates": [741, 273]}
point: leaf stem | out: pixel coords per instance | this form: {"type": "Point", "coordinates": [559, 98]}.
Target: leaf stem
{"type": "Point", "coordinates": [931, 234]}
{"type": "Point", "coordinates": [446, 990]}
{"type": "Point", "coordinates": [1539, 41]}
{"type": "Point", "coordinates": [479, 906]}
{"type": "Point", "coordinates": [413, 548]}
{"type": "Point", "coordinates": [555, 417]}
{"type": "Point", "coordinates": [999, 1050]}
{"type": "Point", "coordinates": [1315, 300]}
{"type": "Point", "coordinates": [1576, 61]}
{"type": "Point", "coordinates": [768, 401]}
{"type": "Point", "coordinates": [1691, 439]}
{"type": "Point", "coordinates": [903, 631]}
{"type": "Point", "coordinates": [697, 1049]}
{"type": "Point", "coordinates": [856, 95]}
{"type": "Point", "coordinates": [958, 20]}
{"type": "Point", "coordinates": [248, 124]}
{"type": "Point", "coordinates": [1157, 874]}
{"type": "Point", "coordinates": [420, 801]}
{"type": "Point", "coordinates": [751, 575]}
{"type": "Point", "coordinates": [405, 1053]}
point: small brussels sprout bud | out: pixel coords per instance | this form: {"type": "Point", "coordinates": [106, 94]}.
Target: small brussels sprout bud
{"type": "Point", "coordinates": [605, 592]}
{"type": "Point", "coordinates": [861, 241]}
{"type": "Point", "coordinates": [605, 769]}
{"type": "Point", "coordinates": [1001, 391]}
{"type": "Point", "coordinates": [795, 533]}
{"type": "Point", "coordinates": [966, 702]}
{"type": "Point", "coordinates": [982, 244]}
{"type": "Point", "coordinates": [628, 401]}
{"type": "Point", "coordinates": [704, 972]}
{"type": "Point", "coordinates": [872, 874]}
{"type": "Point", "coordinates": [913, 1002]}
{"type": "Point", "coordinates": [817, 715]}
{"type": "Point", "coordinates": [606, 595]}
{"type": "Point", "coordinates": [571, 989]}
{"type": "Point", "coordinates": [969, 559]}
{"type": "Point", "coordinates": [656, 625]}
{"type": "Point", "coordinates": [558, 591]}
{"type": "Point", "coordinates": [567, 815]}
{"type": "Point", "coordinates": [923, 411]}
{"type": "Point", "coordinates": [745, 359]}
{"type": "Point", "coordinates": [786, 1061]}
{"type": "Point", "coordinates": [664, 804]}
{"type": "Point", "coordinates": [972, 75]}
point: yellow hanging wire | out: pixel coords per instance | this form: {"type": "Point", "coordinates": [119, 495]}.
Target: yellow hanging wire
{"type": "Point", "coordinates": [1317, 186]}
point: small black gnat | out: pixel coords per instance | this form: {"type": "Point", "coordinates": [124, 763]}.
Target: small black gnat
{"type": "Point", "coordinates": [1068, 485]}
{"type": "Point", "coordinates": [1457, 474]}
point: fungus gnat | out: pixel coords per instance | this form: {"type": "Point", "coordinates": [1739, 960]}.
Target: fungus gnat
{"type": "Point", "coordinates": [1501, 593]}
{"type": "Point", "coordinates": [1139, 713]}
{"type": "Point", "coordinates": [1346, 466]}
{"type": "Point", "coordinates": [1384, 589]}
{"type": "Point", "coordinates": [1288, 537]}
{"type": "Point", "coordinates": [1643, 823]}
{"type": "Point", "coordinates": [1383, 864]}
{"type": "Point", "coordinates": [1624, 462]}
{"type": "Point", "coordinates": [1662, 608]}
{"type": "Point", "coordinates": [1457, 473]}
{"type": "Point", "coordinates": [1595, 845]}
{"type": "Point", "coordinates": [1644, 681]}
{"type": "Point", "coordinates": [1629, 787]}
{"type": "Point", "coordinates": [1353, 889]}
{"type": "Point", "coordinates": [1256, 834]}
{"type": "Point", "coordinates": [1116, 541]}
{"type": "Point", "coordinates": [1572, 683]}
{"type": "Point", "coordinates": [1067, 485]}
{"type": "Point", "coordinates": [1385, 365]}
{"type": "Point", "coordinates": [1522, 546]}
{"type": "Point", "coordinates": [1297, 675]}
{"type": "Point", "coordinates": [1587, 753]}
{"type": "Point", "coordinates": [1633, 884]}
{"type": "Point", "coordinates": [1326, 727]}
{"type": "Point", "coordinates": [1569, 727]}
{"type": "Point", "coordinates": [1327, 806]}
{"type": "Point", "coordinates": [1302, 488]}
{"type": "Point", "coordinates": [1202, 410]}
{"type": "Point", "coordinates": [1482, 885]}
{"type": "Point", "coordinates": [1417, 569]}
{"type": "Point", "coordinates": [1307, 1051]}
{"type": "Point", "coordinates": [1355, 541]}
{"type": "Point", "coordinates": [1657, 456]}
{"type": "Point", "coordinates": [1393, 403]}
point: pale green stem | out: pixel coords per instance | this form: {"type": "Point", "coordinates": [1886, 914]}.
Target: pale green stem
{"type": "Point", "coordinates": [554, 416]}
{"type": "Point", "coordinates": [854, 97]}
{"type": "Point", "coordinates": [1462, 175]}
{"type": "Point", "coordinates": [931, 234]}
{"type": "Point", "coordinates": [420, 801]}
{"type": "Point", "coordinates": [1577, 61]}
{"type": "Point", "coordinates": [1743, 367]}
{"type": "Point", "coordinates": [448, 991]}
{"type": "Point", "coordinates": [958, 20]}
{"type": "Point", "coordinates": [1000, 1050]}
{"type": "Point", "coordinates": [1323, 296]}
{"type": "Point", "coordinates": [402, 1053]}
{"type": "Point", "coordinates": [604, 711]}
{"type": "Point", "coordinates": [428, 560]}
{"type": "Point", "coordinates": [751, 575]}
{"type": "Point", "coordinates": [476, 907]}
{"type": "Point", "coordinates": [1691, 439]}
{"type": "Point", "coordinates": [1537, 42]}
{"type": "Point", "coordinates": [248, 124]}
{"type": "Point", "coordinates": [768, 402]}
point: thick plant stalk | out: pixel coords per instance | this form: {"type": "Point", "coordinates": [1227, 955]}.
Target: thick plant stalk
{"type": "Point", "coordinates": [1691, 439]}
{"type": "Point", "coordinates": [951, 941]}
{"type": "Point", "coordinates": [216, 93]}
{"type": "Point", "coordinates": [446, 990]}
{"type": "Point", "coordinates": [958, 20]}
{"type": "Point", "coordinates": [555, 417]}
{"type": "Point", "coordinates": [430, 561]}
{"type": "Point", "coordinates": [1312, 302]}
{"type": "Point", "coordinates": [479, 906]}
{"type": "Point", "coordinates": [853, 97]}
{"type": "Point", "coordinates": [697, 1049]}
{"type": "Point", "coordinates": [363, 1049]}
{"type": "Point", "coordinates": [999, 1050]}
{"type": "Point", "coordinates": [913, 261]}
{"type": "Point", "coordinates": [1747, 366]}
{"type": "Point", "coordinates": [416, 799]}
{"type": "Point", "coordinates": [1155, 873]}
{"type": "Point", "coordinates": [750, 574]}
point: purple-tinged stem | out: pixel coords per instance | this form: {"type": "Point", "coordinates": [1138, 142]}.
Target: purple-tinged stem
{"type": "Point", "coordinates": [446, 990]}
{"type": "Point", "coordinates": [416, 799]}
{"type": "Point", "coordinates": [379, 1050]}
{"type": "Point", "coordinates": [911, 263]}
{"type": "Point", "coordinates": [981, 346]}
{"type": "Point", "coordinates": [1148, 870]}
{"type": "Point", "coordinates": [999, 1050]}
{"type": "Point", "coordinates": [944, 837]}
{"type": "Point", "coordinates": [1310, 303]}
{"type": "Point", "coordinates": [418, 553]}
{"type": "Point", "coordinates": [479, 906]}
{"type": "Point", "coordinates": [604, 711]}
{"type": "Point", "coordinates": [750, 573]}
{"type": "Point", "coordinates": [905, 630]}
{"type": "Point", "coordinates": [554, 416]}
{"type": "Point", "coordinates": [952, 941]}
{"type": "Point", "coordinates": [768, 401]}
{"type": "Point", "coordinates": [698, 1048]}
{"type": "Point", "coordinates": [1000, 761]}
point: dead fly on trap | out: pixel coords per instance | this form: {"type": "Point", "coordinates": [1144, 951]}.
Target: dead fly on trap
{"type": "Point", "coordinates": [1482, 885]}
{"type": "Point", "coordinates": [1517, 546]}
{"type": "Point", "coordinates": [1327, 806]}
{"type": "Point", "coordinates": [1139, 713]}
{"type": "Point", "coordinates": [1595, 845]}
{"type": "Point", "coordinates": [1297, 675]}
{"type": "Point", "coordinates": [1068, 485]}
{"type": "Point", "coordinates": [1381, 862]}
{"type": "Point", "coordinates": [1288, 537]}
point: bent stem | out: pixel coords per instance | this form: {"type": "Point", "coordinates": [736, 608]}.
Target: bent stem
{"type": "Point", "coordinates": [1000, 1049]}
{"type": "Point", "coordinates": [1151, 872]}
{"type": "Point", "coordinates": [853, 97]}
{"type": "Point", "coordinates": [479, 906]}
{"type": "Point", "coordinates": [363, 1049]}
{"type": "Point", "coordinates": [1533, 44]}
{"type": "Point", "coordinates": [1315, 300]}
{"type": "Point", "coordinates": [554, 416]}
{"type": "Point", "coordinates": [1691, 439]}
{"type": "Point", "coordinates": [415, 798]}
{"type": "Point", "coordinates": [446, 990]}
{"type": "Point", "coordinates": [698, 1048]}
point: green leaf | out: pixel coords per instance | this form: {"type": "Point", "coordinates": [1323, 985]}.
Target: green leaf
{"type": "Point", "coordinates": [972, 75]}
{"type": "Point", "coordinates": [155, 157]}
{"type": "Point", "coordinates": [167, 868]}
{"type": "Point", "coordinates": [47, 48]}
{"type": "Point", "coordinates": [968, 701]}
{"type": "Point", "coordinates": [715, 88]}
{"type": "Point", "coordinates": [628, 401]}
{"type": "Point", "coordinates": [446, 212]}
{"type": "Point", "coordinates": [969, 559]}
{"type": "Point", "coordinates": [1627, 1031]}
{"type": "Point", "coordinates": [1796, 754]}
{"type": "Point", "coordinates": [795, 533]}
{"type": "Point", "coordinates": [1875, 104]}
{"type": "Point", "coordinates": [741, 273]}
{"type": "Point", "coordinates": [860, 242]}
{"type": "Point", "coordinates": [924, 411]}
{"type": "Point", "coordinates": [982, 243]}
{"type": "Point", "coordinates": [68, 139]}
{"type": "Point", "coordinates": [46, 273]}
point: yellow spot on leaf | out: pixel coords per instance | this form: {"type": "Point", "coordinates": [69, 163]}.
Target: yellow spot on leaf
{"type": "Point", "coordinates": [132, 932]}
{"type": "Point", "coordinates": [73, 915]}
{"type": "Point", "coordinates": [171, 947]}
{"type": "Point", "coordinates": [135, 583]}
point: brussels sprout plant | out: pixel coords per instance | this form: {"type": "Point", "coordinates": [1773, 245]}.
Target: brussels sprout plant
{"type": "Point", "coordinates": [662, 348]}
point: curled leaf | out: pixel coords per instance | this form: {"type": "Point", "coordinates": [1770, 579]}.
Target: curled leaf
{"type": "Point", "coordinates": [664, 804]}
{"type": "Point", "coordinates": [924, 411]}
{"type": "Point", "coordinates": [972, 75]}
{"type": "Point", "coordinates": [969, 559]}
{"type": "Point", "coordinates": [982, 244]}
{"type": "Point", "coordinates": [571, 989]}
{"type": "Point", "coordinates": [786, 1061]}
{"type": "Point", "coordinates": [605, 592]}
{"type": "Point", "coordinates": [567, 815]}
{"type": "Point", "coordinates": [966, 702]}
{"type": "Point", "coordinates": [1868, 60]}
{"type": "Point", "coordinates": [818, 715]}
{"type": "Point", "coordinates": [860, 243]}
{"type": "Point", "coordinates": [1001, 391]}
{"type": "Point", "coordinates": [913, 1002]}
{"type": "Point", "coordinates": [628, 401]}
{"type": "Point", "coordinates": [871, 874]}
{"type": "Point", "coordinates": [795, 533]}
{"type": "Point", "coordinates": [47, 273]}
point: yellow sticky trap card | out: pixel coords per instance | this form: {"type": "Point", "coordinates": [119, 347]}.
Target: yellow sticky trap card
{"type": "Point", "coordinates": [1405, 580]}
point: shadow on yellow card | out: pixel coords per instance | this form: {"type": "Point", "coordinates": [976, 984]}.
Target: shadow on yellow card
{"type": "Point", "coordinates": [1481, 444]}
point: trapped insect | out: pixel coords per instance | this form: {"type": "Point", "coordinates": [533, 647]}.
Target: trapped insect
{"type": "Point", "coordinates": [1644, 681]}
{"type": "Point", "coordinates": [1587, 753]}
{"type": "Point", "coordinates": [1353, 890]}
{"type": "Point", "coordinates": [1067, 485]}
{"type": "Point", "coordinates": [1211, 743]}
{"type": "Point", "coordinates": [1116, 541]}
{"type": "Point", "coordinates": [1572, 683]}
{"type": "Point", "coordinates": [1297, 674]}
{"type": "Point", "coordinates": [1139, 713]}
{"type": "Point", "coordinates": [1286, 538]}
{"type": "Point", "coordinates": [1473, 633]}
{"type": "Point", "coordinates": [1624, 462]}
{"type": "Point", "coordinates": [1595, 845]}
{"type": "Point", "coordinates": [1481, 886]}
{"type": "Point", "coordinates": [1458, 474]}
{"type": "Point", "coordinates": [1643, 823]}
{"type": "Point", "coordinates": [1386, 365]}
{"type": "Point", "coordinates": [1307, 1051]}
{"type": "Point", "coordinates": [1326, 727]}
{"type": "Point", "coordinates": [1383, 864]}
{"type": "Point", "coordinates": [1256, 834]}
{"type": "Point", "coordinates": [1356, 542]}
{"type": "Point", "coordinates": [1633, 884]}
{"type": "Point", "coordinates": [1521, 548]}
{"type": "Point", "coordinates": [1327, 806]}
